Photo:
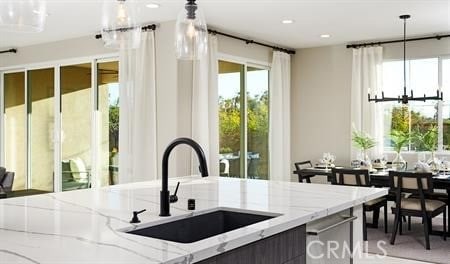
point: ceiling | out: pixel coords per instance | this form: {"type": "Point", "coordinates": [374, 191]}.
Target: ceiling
{"type": "Point", "coordinates": [345, 20]}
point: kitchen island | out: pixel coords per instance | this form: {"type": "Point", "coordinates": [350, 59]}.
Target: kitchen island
{"type": "Point", "coordinates": [87, 226]}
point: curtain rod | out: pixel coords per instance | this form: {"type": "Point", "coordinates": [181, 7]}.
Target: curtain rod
{"type": "Point", "coordinates": [8, 51]}
{"type": "Point", "coordinates": [144, 28]}
{"type": "Point", "coordinates": [355, 46]}
{"type": "Point", "coordinates": [249, 41]}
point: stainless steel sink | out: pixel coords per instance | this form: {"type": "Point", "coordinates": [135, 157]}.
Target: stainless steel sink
{"type": "Point", "coordinates": [203, 225]}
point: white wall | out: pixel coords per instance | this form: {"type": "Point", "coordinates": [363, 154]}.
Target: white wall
{"type": "Point", "coordinates": [173, 83]}
{"type": "Point", "coordinates": [321, 84]}
{"type": "Point", "coordinates": [239, 49]}
{"type": "Point", "coordinates": [417, 49]}
{"type": "Point", "coordinates": [61, 50]}
{"type": "Point", "coordinates": [320, 105]}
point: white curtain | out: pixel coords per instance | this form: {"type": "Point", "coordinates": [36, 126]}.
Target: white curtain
{"type": "Point", "coordinates": [205, 115]}
{"type": "Point", "coordinates": [280, 127]}
{"type": "Point", "coordinates": [137, 101]}
{"type": "Point", "coordinates": [367, 76]}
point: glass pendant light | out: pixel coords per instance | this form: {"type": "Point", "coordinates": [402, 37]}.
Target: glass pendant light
{"type": "Point", "coordinates": [191, 33]}
{"type": "Point", "coordinates": [120, 30]}
{"type": "Point", "coordinates": [22, 16]}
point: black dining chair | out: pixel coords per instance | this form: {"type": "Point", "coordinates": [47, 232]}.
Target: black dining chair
{"type": "Point", "coordinates": [357, 177]}
{"type": "Point", "coordinates": [302, 175]}
{"type": "Point", "coordinates": [420, 186]}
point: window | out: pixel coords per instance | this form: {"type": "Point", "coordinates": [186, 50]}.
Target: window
{"type": "Point", "coordinates": [423, 76]}
{"type": "Point", "coordinates": [243, 120]}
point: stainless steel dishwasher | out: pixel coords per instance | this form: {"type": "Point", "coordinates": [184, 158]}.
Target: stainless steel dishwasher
{"type": "Point", "coordinates": [330, 239]}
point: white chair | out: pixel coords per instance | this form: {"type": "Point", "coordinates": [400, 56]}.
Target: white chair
{"type": "Point", "coordinates": [226, 170]}
{"type": "Point", "coordinates": [79, 171]}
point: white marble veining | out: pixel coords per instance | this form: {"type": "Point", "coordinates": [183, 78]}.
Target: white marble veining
{"type": "Point", "coordinates": [83, 226]}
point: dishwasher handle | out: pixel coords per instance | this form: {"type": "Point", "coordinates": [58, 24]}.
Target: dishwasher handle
{"type": "Point", "coordinates": [343, 220]}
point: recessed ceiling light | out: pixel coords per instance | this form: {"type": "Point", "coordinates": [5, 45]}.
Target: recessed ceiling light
{"type": "Point", "coordinates": [325, 36]}
{"type": "Point", "coordinates": [287, 21]}
{"type": "Point", "coordinates": [152, 5]}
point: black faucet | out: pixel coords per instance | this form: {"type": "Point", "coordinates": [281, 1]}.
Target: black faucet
{"type": "Point", "coordinates": [165, 194]}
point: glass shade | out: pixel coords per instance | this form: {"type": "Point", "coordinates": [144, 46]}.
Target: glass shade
{"type": "Point", "coordinates": [120, 30]}
{"type": "Point", "coordinates": [22, 16]}
{"type": "Point", "coordinates": [191, 36]}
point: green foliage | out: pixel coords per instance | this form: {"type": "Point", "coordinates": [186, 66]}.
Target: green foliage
{"type": "Point", "coordinates": [426, 140]}
{"type": "Point", "coordinates": [113, 119]}
{"type": "Point", "coordinates": [257, 126]}
{"type": "Point", "coordinates": [404, 119]}
{"type": "Point", "coordinates": [225, 150]}
{"type": "Point", "coordinates": [114, 125]}
{"type": "Point", "coordinates": [399, 139]}
{"type": "Point", "coordinates": [362, 141]}
{"type": "Point", "coordinates": [446, 134]}
{"type": "Point", "coordinates": [400, 119]}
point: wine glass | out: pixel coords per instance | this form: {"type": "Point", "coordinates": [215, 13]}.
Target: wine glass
{"type": "Point", "coordinates": [444, 165]}
{"type": "Point", "coordinates": [421, 157]}
{"type": "Point", "coordinates": [325, 160]}
{"type": "Point", "coordinates": [383, 162]}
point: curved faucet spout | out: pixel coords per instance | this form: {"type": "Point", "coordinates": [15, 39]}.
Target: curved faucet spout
{"type": "Point", "coordinates": [165, 200]}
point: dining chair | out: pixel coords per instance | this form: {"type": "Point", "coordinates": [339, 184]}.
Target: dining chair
{"type": "Point", "coordinates": [420, 186]}
{"type": "Point", "coordinates": [357, 177]}
{"type": "Point", "coordinates": [304, 176]}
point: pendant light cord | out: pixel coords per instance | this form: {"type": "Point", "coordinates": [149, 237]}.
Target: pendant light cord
{"type": "Point", "coordinates": [404, 55]}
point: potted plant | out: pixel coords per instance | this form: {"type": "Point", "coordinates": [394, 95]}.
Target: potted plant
{"type": "Point", "coordinates": [399, 139]}
{"type": "Point", "coordinates": [363, 142]}
{"type": "Point", "coordinates": [428, 141]}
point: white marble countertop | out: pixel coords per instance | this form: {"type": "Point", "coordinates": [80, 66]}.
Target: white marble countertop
{"type": "Point", "coordinates": [83, 226]}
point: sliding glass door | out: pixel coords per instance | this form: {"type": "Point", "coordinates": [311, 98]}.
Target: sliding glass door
{"type": "Point", "coordinates": [15, 128]}
{"type": "Point", "coordinates": [108, 108]}
{"type": "Point", "coordinates": [231, 80]}
{"type": "Point", "coordinates": [243, 120]}
{"type": "Point", "coordinates": [41, 118]}
{"type": "Point", "coordinates": [76, 123]}
{"type": "Point", "coordinates": [258, 123]}
{"type": "Point", "coordinates": [60, 126]}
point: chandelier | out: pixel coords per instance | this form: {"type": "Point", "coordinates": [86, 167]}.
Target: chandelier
{"type": "Point", "coordinates": [405, 98]}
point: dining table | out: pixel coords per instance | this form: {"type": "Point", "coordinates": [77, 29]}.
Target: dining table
{"type": "Point", "coordinates": [380, 178]}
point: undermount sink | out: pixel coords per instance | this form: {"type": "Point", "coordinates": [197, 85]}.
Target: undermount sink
{"type": "Point", "coordinates": [203, 225]}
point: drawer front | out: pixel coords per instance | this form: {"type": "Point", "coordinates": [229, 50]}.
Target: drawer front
{"type": "Point", "coordinates": [286, 247]}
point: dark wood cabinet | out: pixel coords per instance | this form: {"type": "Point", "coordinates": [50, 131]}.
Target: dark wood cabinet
{"type": "Point", "coordinates": [288, 247]}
